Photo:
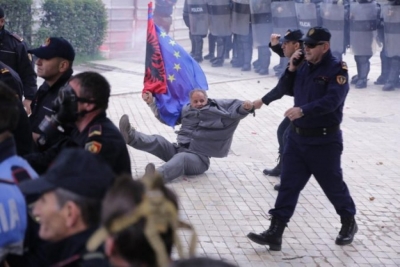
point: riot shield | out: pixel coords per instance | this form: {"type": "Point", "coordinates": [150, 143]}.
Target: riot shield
{"type": "Point", "coordinates": [363, 25]}
{"type": "Point", "coordinates": [307, 15]}
{"type": "Point", "coordinates": [198, 17]}
{"type": "Point", "coordinates": [261, 21]}
{"type": "Point", "coordinates": [219, 15]}
{"type": "Point", "coordinates": [333, 18]}
{"type": "Point", "coordinates": [241, 17]}
{"type": "Point", "coordinates": [283, 16]}
{"type": "Point", "coordinates": [391, 19]}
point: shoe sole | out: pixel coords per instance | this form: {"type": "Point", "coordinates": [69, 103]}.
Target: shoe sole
{"type": "Point", "coordinates": [123, 125]}
{"type": "Point", "coordinates": [272, 247]}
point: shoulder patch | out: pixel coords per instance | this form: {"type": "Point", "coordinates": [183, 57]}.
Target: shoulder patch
{"type": "Point", "coordinates": [341, 79]}
{"type": "Point", "coordinates": [344, 66]}
{"type": "Point", "coordinates": [16, 36]}
{"type": "Point", "coordinates": [95, 130]}
{"type": "Point", "coordinates": [4, 70]}
{"type": "Point", "coordinates": [93, 147]}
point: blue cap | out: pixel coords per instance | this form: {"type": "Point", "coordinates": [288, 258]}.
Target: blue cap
{"type": "Point", "coordinates": [75, 170]}
{"type": "Point", "coordinates": [316, 35]}
{"type": "Point", "coordinates": [54, 47]}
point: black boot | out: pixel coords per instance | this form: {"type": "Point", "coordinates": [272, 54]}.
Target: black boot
{"type": "Point", "coordinates": [264, 56]}
{"type": "Point", "coordinates": [354, 79]}
{"type": "Point", "coordinates": [198, 48]}
{"type": "Point", "coordinates": [237, 58]}
{"type": "Point", "coordinates": [385, 67]}
{"type": "Point", "coordinates": [192, 44]}
{"type": "Point", "coordinates": [247, 52]}
{"type": "Point", "coordinates": [277, 187]}
{"type": "Point", "coordinates": [393, 76]}
{"type": "Point", "coordinates": [363, 66]}
{"type": "Point", "coordinates": [347, 232]}
{"type": "Point", "coordinates": [271, 237]}
{"type": "Point", "coordinates": [211, 47]}
{"type": "Point", "coordinates": [276, 171]}
{"type": "Point", "coordinates": [228, 46]}
{"type": "Point", "coordinates": [219, 60]}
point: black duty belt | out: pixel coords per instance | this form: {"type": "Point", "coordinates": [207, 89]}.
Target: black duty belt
{"type": "Point", "coordinates": [315, 131]}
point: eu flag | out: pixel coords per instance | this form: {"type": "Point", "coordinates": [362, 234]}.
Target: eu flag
{"type": "Point", "coordinates": [170, 72]}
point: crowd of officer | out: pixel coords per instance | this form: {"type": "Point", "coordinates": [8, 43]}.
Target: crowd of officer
{"type": "Point", "coordinates": [241, 25]}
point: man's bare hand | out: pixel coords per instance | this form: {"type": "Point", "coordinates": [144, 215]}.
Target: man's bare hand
{"type": "Point", "coordinates": [247, 105]}
{"type": "Point", "coordinates": [257, 103]}
{"type": "Point", "coordinates": [296, 55]}
{"type": "Point", "coordinates": [294, 113]}
{"type": "Point", "coordinates": [148, 98]}
{"type": "Point", "coordinates": [35, 137]}
{"type": "Point", "coordinates": [27, 106]}
{"type": "Point", "coordinates": [275, 39]}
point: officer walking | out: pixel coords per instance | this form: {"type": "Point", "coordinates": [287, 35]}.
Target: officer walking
{"type": "Point", "coordinates": [13, 53]}
{"type": "Point", "coordinates": [13, 170]}
{"type": "Point", "coordinates": [364, 18]}
{"type": "Point", "coordinates": [314, 143]}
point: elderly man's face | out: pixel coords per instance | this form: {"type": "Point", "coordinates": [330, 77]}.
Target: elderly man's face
{"type": "Point", "coordinates": [198, 100]}
{"type": "Point", "coordinates": [51, 218]}
{"type": "Point", "coordinates": [314, 52]}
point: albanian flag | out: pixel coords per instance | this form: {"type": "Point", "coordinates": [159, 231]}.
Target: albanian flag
{"type": "Point", "coordinates": [170, 72]}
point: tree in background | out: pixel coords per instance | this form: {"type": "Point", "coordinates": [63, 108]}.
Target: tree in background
{"type": "Point", "coordinates": [82, 22]}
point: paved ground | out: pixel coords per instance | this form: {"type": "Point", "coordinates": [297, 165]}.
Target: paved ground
{"type": "Point", "coordinates": [233, 196]}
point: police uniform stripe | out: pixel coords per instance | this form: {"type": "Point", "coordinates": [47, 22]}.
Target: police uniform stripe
{"type": "Point", "coordinates": [219, 10]}
{"type": "Point", "coordinates": [241, 8]}
{"type": "Point", "coordinates": [261, 18]}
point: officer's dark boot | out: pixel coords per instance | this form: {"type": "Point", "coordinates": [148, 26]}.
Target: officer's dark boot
{"type": "Point", "coordinates": [247, 54]}
{"type": "Point", "coordinates": [354, 79]}
{"type": "Point", "coordinates": [363, 72]}
{"type": "Point", "coordinates": [198, 48]}
{"type": "Point", "coordinates": [385, 67]}
{"type": "Point", "coordinates": [219, 59]}
{"type": "Point", "coordinates": [228, 46]}
{"type": "Point", "coordinates": [393, 77]}
{"type": "Point", "coordinates": [347, 232]}
{"type": "Point", "coordinates": [192, 44]}
{"type": "Point", "coordinates": [271, 237]}
{"type": "Point", "coordinates": [211, 47]}
{"type": "Point", "coordinates": [277, 187]}
{"type": "Point", "coordinates": [264, 57]}
{"type": "Point", "coordinates": [256, 64]}
{"type": "Point", "coordinates": [237, 61]}
{"type": "Point", "coordinates": [276, 171]}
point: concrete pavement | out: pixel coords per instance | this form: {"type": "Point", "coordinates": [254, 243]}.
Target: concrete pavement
{"type": "Point", "coordinates": [233, 196]}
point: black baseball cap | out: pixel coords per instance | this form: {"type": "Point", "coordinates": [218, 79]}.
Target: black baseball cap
{"type": "Point", "coordinates": [54, 47]}
{"type": "Point", "coordinates": [75, 170]}
{"type": "Point", "coordinates": [316, 35]}
{"type": "Point", "coordinates": [292, 35]}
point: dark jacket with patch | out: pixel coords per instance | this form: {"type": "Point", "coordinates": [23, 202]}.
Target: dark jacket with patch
{"type": "Point", "coordinates": [100, 137]}
{"type": "Point", "coordinates": [13, 53]}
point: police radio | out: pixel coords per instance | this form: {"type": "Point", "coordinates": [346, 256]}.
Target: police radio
{"type": "Point", "coordinates": [297, 61]}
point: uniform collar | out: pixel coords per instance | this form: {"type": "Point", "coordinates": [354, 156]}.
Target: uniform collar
{"type": "Point", "coordinates": [7, 148]}
{"type": "Point", "coordinates": [60, 82]}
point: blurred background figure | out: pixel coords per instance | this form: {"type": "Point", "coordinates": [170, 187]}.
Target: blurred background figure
{"type": "Point", "coordinates": [364, 18]}
{"type": "Point", "coordinates": [162, 14]}
{"type": "Point", "coordinates": [13, 53]}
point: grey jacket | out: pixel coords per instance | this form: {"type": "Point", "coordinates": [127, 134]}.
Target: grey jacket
{"type": "Point", "coordinates": [209, 130]}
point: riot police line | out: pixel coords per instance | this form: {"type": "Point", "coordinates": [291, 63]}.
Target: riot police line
{"type": "Point", "coordinates": [363, 26]}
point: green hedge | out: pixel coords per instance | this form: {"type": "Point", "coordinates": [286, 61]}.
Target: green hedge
{"type": "Point", "coordinates": [82, 22]}
{"type": "Point", "coordinates": [18, 17]}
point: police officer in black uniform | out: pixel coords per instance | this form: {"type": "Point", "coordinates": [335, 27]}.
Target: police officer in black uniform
{"type": "Point", "coordinates": [23, 132]}
{"type": "Point", "coordinates": [314, 143]}
{"type": "Point", "coordinates": [13, 53]}
{"type": "Point", "coordinates": [83, 102]}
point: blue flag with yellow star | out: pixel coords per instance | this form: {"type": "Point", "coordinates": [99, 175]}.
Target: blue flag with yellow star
{"type": "Point", "coordinates": [170, 74]}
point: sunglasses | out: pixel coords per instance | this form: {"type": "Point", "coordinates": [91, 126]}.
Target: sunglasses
{"type": "Point", "coordinates": [312, 45]}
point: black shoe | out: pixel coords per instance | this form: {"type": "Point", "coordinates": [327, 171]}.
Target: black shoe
{"type": "Point", "coordinates": [213, 60]}
{"type": "Point", "coordinates": [217, 63]}
{"type": "Point", "coordinates": [256, 64]}
{"type": "Point", "coordinates": [209, 56]}
{"type": "Point", "coordinates": [271, 237]}
{"type": "Point", "coordinates": [237, 64]}
{"type": "Point", "coordinates": [276, 67]}
{"type": "Point", "coordinates": [277, 186]}
{"type": "Point", "coordinates": [347, 232]}
{"type": "Point", "coordinates": [361, 83]}
{"type": "Point", "coordinates": [246, 67]}
{"type": "Point", "coordinates": [273, 172]}
{"type": "Point", "coordinates": [263, 72]}
{"type": "Point", "coordinates": [388, 87]}
{"type": "Point", "coordinates": [198, 59]}
{"type": "Point", "coordinates": [380, 81]}
{"type": "Point", "coordinates": [354, 79]}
